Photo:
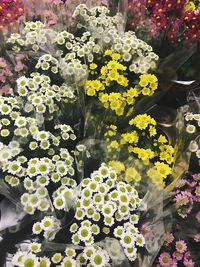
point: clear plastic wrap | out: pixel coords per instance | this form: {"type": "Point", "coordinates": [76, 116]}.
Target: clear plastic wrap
{"type": "Point", "coordinates": [64, 129]}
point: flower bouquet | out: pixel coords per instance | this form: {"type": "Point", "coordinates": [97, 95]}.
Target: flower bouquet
{"type": "Point", "coordinates": [81, 158]}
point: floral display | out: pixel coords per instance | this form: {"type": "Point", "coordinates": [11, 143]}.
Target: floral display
{"type": "Point", "coordinates": [180, 247]}
{"type": "Point", "coordinates": [10, 11]}
{"type": "Point", "coordinates": [96, 169]}
{"type": "Point", "coordinates": [179, 19]}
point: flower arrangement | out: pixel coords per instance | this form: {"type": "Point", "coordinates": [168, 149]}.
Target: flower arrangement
{"type": "Point", "coordinates": [54, 12]}
{"type": "Point", "coordinates": [10, 11]}
{"type": "Point", "coordinates": [180, 20]}
{"type": "Point", "coordinates": [104, 209]}
{"type": "Point", "coordinates": [48, 129]}
{"type": "Point", "coordinates": [179, 248]}
{"type": "Point", "coordinates": [142, 141]}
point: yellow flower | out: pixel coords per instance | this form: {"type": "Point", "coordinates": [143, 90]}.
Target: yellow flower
{"type": "Point", "coordinates": [152, 131]}
{"type": "Point", "coordinates": [91, 87]}
{"type": "Point", "coordinates": [142, 121]}
{"type": "Point", "coordinates": [162, 139]}
{"type": "Point", "coordinates": [93, 66]}
{"type": "Point", "coordinates": [144, 154]}
{"type": "Point", "coordinates": [112, 65]}
{"type": "Point", "coordinates": [148, 79]}
{"type": "Point", "coordinates": [108, 53]}
{"type": "Point", "coordinates": [103, 97]}
{"type": "Point", "coordinates": [130, 100]}
{"type": "Point", "coordinates": [122, 80]}
{"type": "Point", "coordinates": [130, 138]}
{"type": "Point", "coordinates": [113, 75]}
{"type": "Point", "coordinates": [153, 86]}
{"type": "Point", "coordinates": [189, 6]}
{"type": "Point", "coordinates": [114, 144]}
{"type": "Point", "coordinates": [117, 166]}
{"type": "Point", "coordinates": [163, 169]}
{"type": "Point", "coordinates": [155, 177]}
{"type": "Point", "coordinates": [133, 92]}
{"type": "Point", "coordinates": [116, 56]}
{"type": "Point", "coordinates": [104, 70]}
{"type": "Point", "coordinates": [131, 174]}
{"type": "Point", "coordinates": [146, 91]}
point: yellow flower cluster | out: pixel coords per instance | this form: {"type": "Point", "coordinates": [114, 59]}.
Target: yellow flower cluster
{"type": "Point", "coordinates": [159, 172]}
{"type": "Point", "coordinates": [141, 142]}
{"type": "Point", "coordinates": [148, 83]}
{"type": "Point", "coordinates": [144, 154]}
{"type": "Point", "coordinates": [92, 87]}
{"type": "Point", "coordinates": [112, 130]}
{"type": "Point", "coordinates": [112, 87]}
{"type": "Point", "coordinates": [131, 175]}
{"type": "Point", "coordinates": [115, 101]}
{"type": "Point", "coordinates": [189, 6]}
{"type": "Point", "coordinates": [130, 138]}
{"type": "Point", "coordinates": [118, 166]}
{"type": "Point", "coordinates": [167, 153]}
{"type": "Point", "coordinates": [142, 121]}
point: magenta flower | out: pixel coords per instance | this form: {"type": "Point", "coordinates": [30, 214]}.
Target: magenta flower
{"type": "Point", "coordinates": [181, 246]}
{"type": "Point", "coordinates": [177, 255]}
{"type": "Point", "coordinates": [165, 259]}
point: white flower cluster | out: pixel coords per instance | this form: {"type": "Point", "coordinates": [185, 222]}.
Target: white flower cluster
{"type": "Point", "coordinates": [193, 128]}
{"type": "Point", "coordinates": [49, 226]}
{"type": "Point", "coordinates": [37, 174]}
{"type": "Point", "coordinates": [73, 71]}
{"type": "Point", "coordinates": [34, 36]}
{"type": "Point", "coordinates": [48, 62]}
{"type": "Point", "coordinates": [65, 197]}
{"type": "Point", "coordinates": [96, 18]}
{"type": "Point", "coordinates": [109, 203]}
{"type": "Point", "coordinates": [104, 30]}
{"type": "Point", "coordinates": [10, 118]}
{"type": "Point", "coordinates": [41, 96]}
{"type": "Point", "coordinates": [7, 152]}
{"type": "Point", "coordinates": [90, 256]}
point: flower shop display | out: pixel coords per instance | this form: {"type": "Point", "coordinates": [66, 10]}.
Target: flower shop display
{"type": "Point", "coordinates": [40, 145]}
{"type": "Point", "coordinates": [171, 27]}
{"type": "Point", "coordinates": [180, 247]}
{"type": "Point", "coordinates": [178, 19]}
{"type": "Point", "coordinates": [89, 172]}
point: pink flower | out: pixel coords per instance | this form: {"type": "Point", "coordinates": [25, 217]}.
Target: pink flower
{"type": "Point", "coordinates": [188, 263]}
{"type": "Point", "coordinates": [177, 255]}
{"type": "Point", "coordinates": [198, 216]}
{"type": "Point", "coordinates": [181, 199]}
{"type": "Point", "coordinates": [174, 263]}
{"type": "Point", "coordinates": [196, 177]}
{"type": "Point", "coordinates": [197, 238]}
{"type": "Point", "coordinates": [181, 246]}
{"type": "Point", "coordinates": [165, 259]}
{"type": "Point", "coordinates": [180, 183]}
{"type": "Point", "coordinates": [169, 238]}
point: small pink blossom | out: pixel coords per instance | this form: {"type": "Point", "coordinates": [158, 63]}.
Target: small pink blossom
{"type": "Point", "coordinates": [177, 255]}
{"type": "Point", "coordinates": [169, 238]}
{"type": "Point", "coordinates": [165, 259]}
{"type": "Point", "coordinates": [181, 246]}
{"type": "Point", "coordinates": [197, 238]}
